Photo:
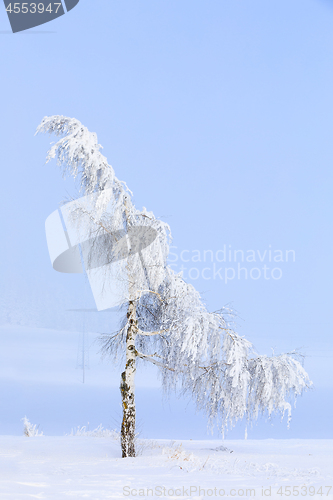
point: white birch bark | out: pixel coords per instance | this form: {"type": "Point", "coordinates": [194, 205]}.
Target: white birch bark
{"type": "Point", "coordinates": [127, 387]}
{"type": "Point", "coordinates": [127, 384]}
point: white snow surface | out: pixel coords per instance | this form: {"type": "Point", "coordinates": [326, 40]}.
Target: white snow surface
{"type": "Point", "coordinates": [90, 467]}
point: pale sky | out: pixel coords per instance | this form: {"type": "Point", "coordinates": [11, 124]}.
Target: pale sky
{"type": "Point", "coordinates": [218, 115]}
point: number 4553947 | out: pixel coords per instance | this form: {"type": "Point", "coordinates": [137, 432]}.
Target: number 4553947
{"type": "Point", "coordinates": [32, 8]}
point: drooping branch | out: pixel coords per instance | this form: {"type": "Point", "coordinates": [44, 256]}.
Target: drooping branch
{"type": "Point", "coordinates": [149, 357]}
{"type": "Point", "coordinates": [140, 332]}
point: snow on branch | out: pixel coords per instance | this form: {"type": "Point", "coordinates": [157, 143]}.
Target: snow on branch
{"type": "Point", "coordinates": [78, 152]}
{"type": "Point", "coordinates": [202, 356]}
{"type": "Point", "coordinates": [199, 353]}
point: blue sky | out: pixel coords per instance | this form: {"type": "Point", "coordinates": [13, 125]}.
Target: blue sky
{"type": "Point", "coordinates": [218, 115]}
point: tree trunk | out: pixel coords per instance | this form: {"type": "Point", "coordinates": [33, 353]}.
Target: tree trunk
{"type": "Point", "coordinates": [127, 387]}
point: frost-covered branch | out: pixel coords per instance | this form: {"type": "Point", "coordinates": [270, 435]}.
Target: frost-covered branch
{"type": "Point", "coordinates": [199, 353]}
{"type": "Point", "coordinates": [78, 152]}
{"type": "Point", "coordinates": [149, 357]}
{"type": "Point", "coordinates": [140, 332]}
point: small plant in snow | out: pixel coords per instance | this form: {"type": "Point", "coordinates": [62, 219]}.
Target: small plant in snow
{"type": "Point", "coordinates": [29, 429]}
{"type": "Point", "coordinates": [222, 448]}
{"type": "Point", "coordinates": [143, 446]}
{"type": "Point", "coordinates": [99, 432]}
{"type": "Point", "coordinates": [177, 452]}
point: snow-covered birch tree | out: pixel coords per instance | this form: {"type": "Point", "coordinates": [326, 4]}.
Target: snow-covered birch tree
{"type": "Point", "coordinates": [165, 321]}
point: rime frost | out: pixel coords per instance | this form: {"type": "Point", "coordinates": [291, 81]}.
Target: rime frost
{"type": "Point", "coordinates": [29, 429]}
{"type": "Point", "coordinates": [197, 352]}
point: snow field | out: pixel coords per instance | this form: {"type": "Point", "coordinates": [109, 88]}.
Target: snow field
{"type": "Point", "coordinates": [87, 467]}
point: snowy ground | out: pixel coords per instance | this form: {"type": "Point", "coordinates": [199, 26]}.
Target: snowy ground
{"type": "Point", "coordinates": [39, 379]}
{"type": "Point", "coordinates": [91, 468]}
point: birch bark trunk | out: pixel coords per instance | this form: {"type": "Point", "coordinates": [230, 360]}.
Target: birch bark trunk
{"type": "Point", "coordinates": [127, 387]}
{"type": "Point", "coordinates": [127, 383]}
